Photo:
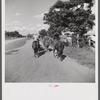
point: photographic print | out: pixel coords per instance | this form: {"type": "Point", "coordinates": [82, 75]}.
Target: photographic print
{"type": "Point", "coordinates": [50, 41]}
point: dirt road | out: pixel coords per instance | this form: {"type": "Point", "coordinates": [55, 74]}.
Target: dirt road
{"type": "Point", "coordinates": [22, 66]}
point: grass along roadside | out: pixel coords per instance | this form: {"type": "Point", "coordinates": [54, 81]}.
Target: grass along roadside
{"type": "Point", "coordinates": [84, 56]}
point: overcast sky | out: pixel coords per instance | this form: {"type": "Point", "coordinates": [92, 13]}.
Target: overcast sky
{"type": "Point", "coordinates": [26, 16]}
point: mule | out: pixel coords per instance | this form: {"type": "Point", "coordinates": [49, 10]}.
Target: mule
{"type": "Point", "coordinates": [58, 49]}
{"type": "Point", "coordinates": [36, 46]}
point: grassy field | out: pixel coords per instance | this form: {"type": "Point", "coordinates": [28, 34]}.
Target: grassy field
{"type": "Point", "coordinates": [84, 56]}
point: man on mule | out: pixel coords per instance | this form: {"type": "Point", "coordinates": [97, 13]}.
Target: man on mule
{"type": "Point", "coordinates": [58, 46]}
{"type": "Point", "coordinates": [46, 42]}
{"type": "Point", "coordinates": [58, 49]}
{"type": "Point", "coordinates": [36, 46]}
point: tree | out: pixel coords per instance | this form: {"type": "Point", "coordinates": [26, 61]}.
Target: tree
{"type": "Point", "coordinates": [72, 15]}
{"type": "Point", "coordinates": [42, 33]}
{"type": "Point", "coordinates": [29, 35]}
{"type": "Point", "coordinates": [12, 34]}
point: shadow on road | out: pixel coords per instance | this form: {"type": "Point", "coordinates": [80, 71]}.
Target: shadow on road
{"type": "Point", "coordinates": [50, 49]}
{"type": "Point", "coordinates": [11, 52]}
{"type": "Point", "coordinates": [41, 52]}
{"type": "Point", "coordinates": [63, 57]}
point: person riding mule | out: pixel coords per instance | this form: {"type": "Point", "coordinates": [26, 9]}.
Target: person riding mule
{"type": "Point", "coordinates": [36, 46]}
{"type": "Point", "coordinates": [56, 38]}
{"type": "Point", "coordinates": [58, 46]}
{"type": "Point", "coordinates": [58, 49]}
{"type": "Point", "coordinates": [46, 42]}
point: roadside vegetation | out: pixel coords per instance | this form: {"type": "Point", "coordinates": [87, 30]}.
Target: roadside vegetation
{"type": "Point", "coordinates": [84, 56]}
{"type": "Point", "coordinates": [74, 17]}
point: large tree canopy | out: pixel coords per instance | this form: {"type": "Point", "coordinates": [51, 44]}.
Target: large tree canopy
{"type": "Point", "coordinates": [70, 14]}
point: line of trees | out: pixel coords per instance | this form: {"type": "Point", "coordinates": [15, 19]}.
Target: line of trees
{"type": "Point", "coordinates": [13, 34]}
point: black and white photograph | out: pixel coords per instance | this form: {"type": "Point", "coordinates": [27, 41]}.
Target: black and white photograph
{"type": "Point", "coordinates": [50, 41]}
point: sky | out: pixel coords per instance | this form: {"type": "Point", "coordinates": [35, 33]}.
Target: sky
{"type": "Point", "coordinates": [26, 16]}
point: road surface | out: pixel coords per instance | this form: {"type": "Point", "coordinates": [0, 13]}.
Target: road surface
{"type": "Point", "coordinates": [12, 40]}
{"type": "Point", "coordinates": [22, 66]}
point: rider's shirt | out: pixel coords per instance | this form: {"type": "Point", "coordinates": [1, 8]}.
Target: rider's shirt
{"type": "Point", "coordinates": [35, 37]}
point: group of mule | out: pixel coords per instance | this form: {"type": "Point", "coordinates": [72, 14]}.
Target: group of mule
{"type": "Point", "coordinates": [57, 46]}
